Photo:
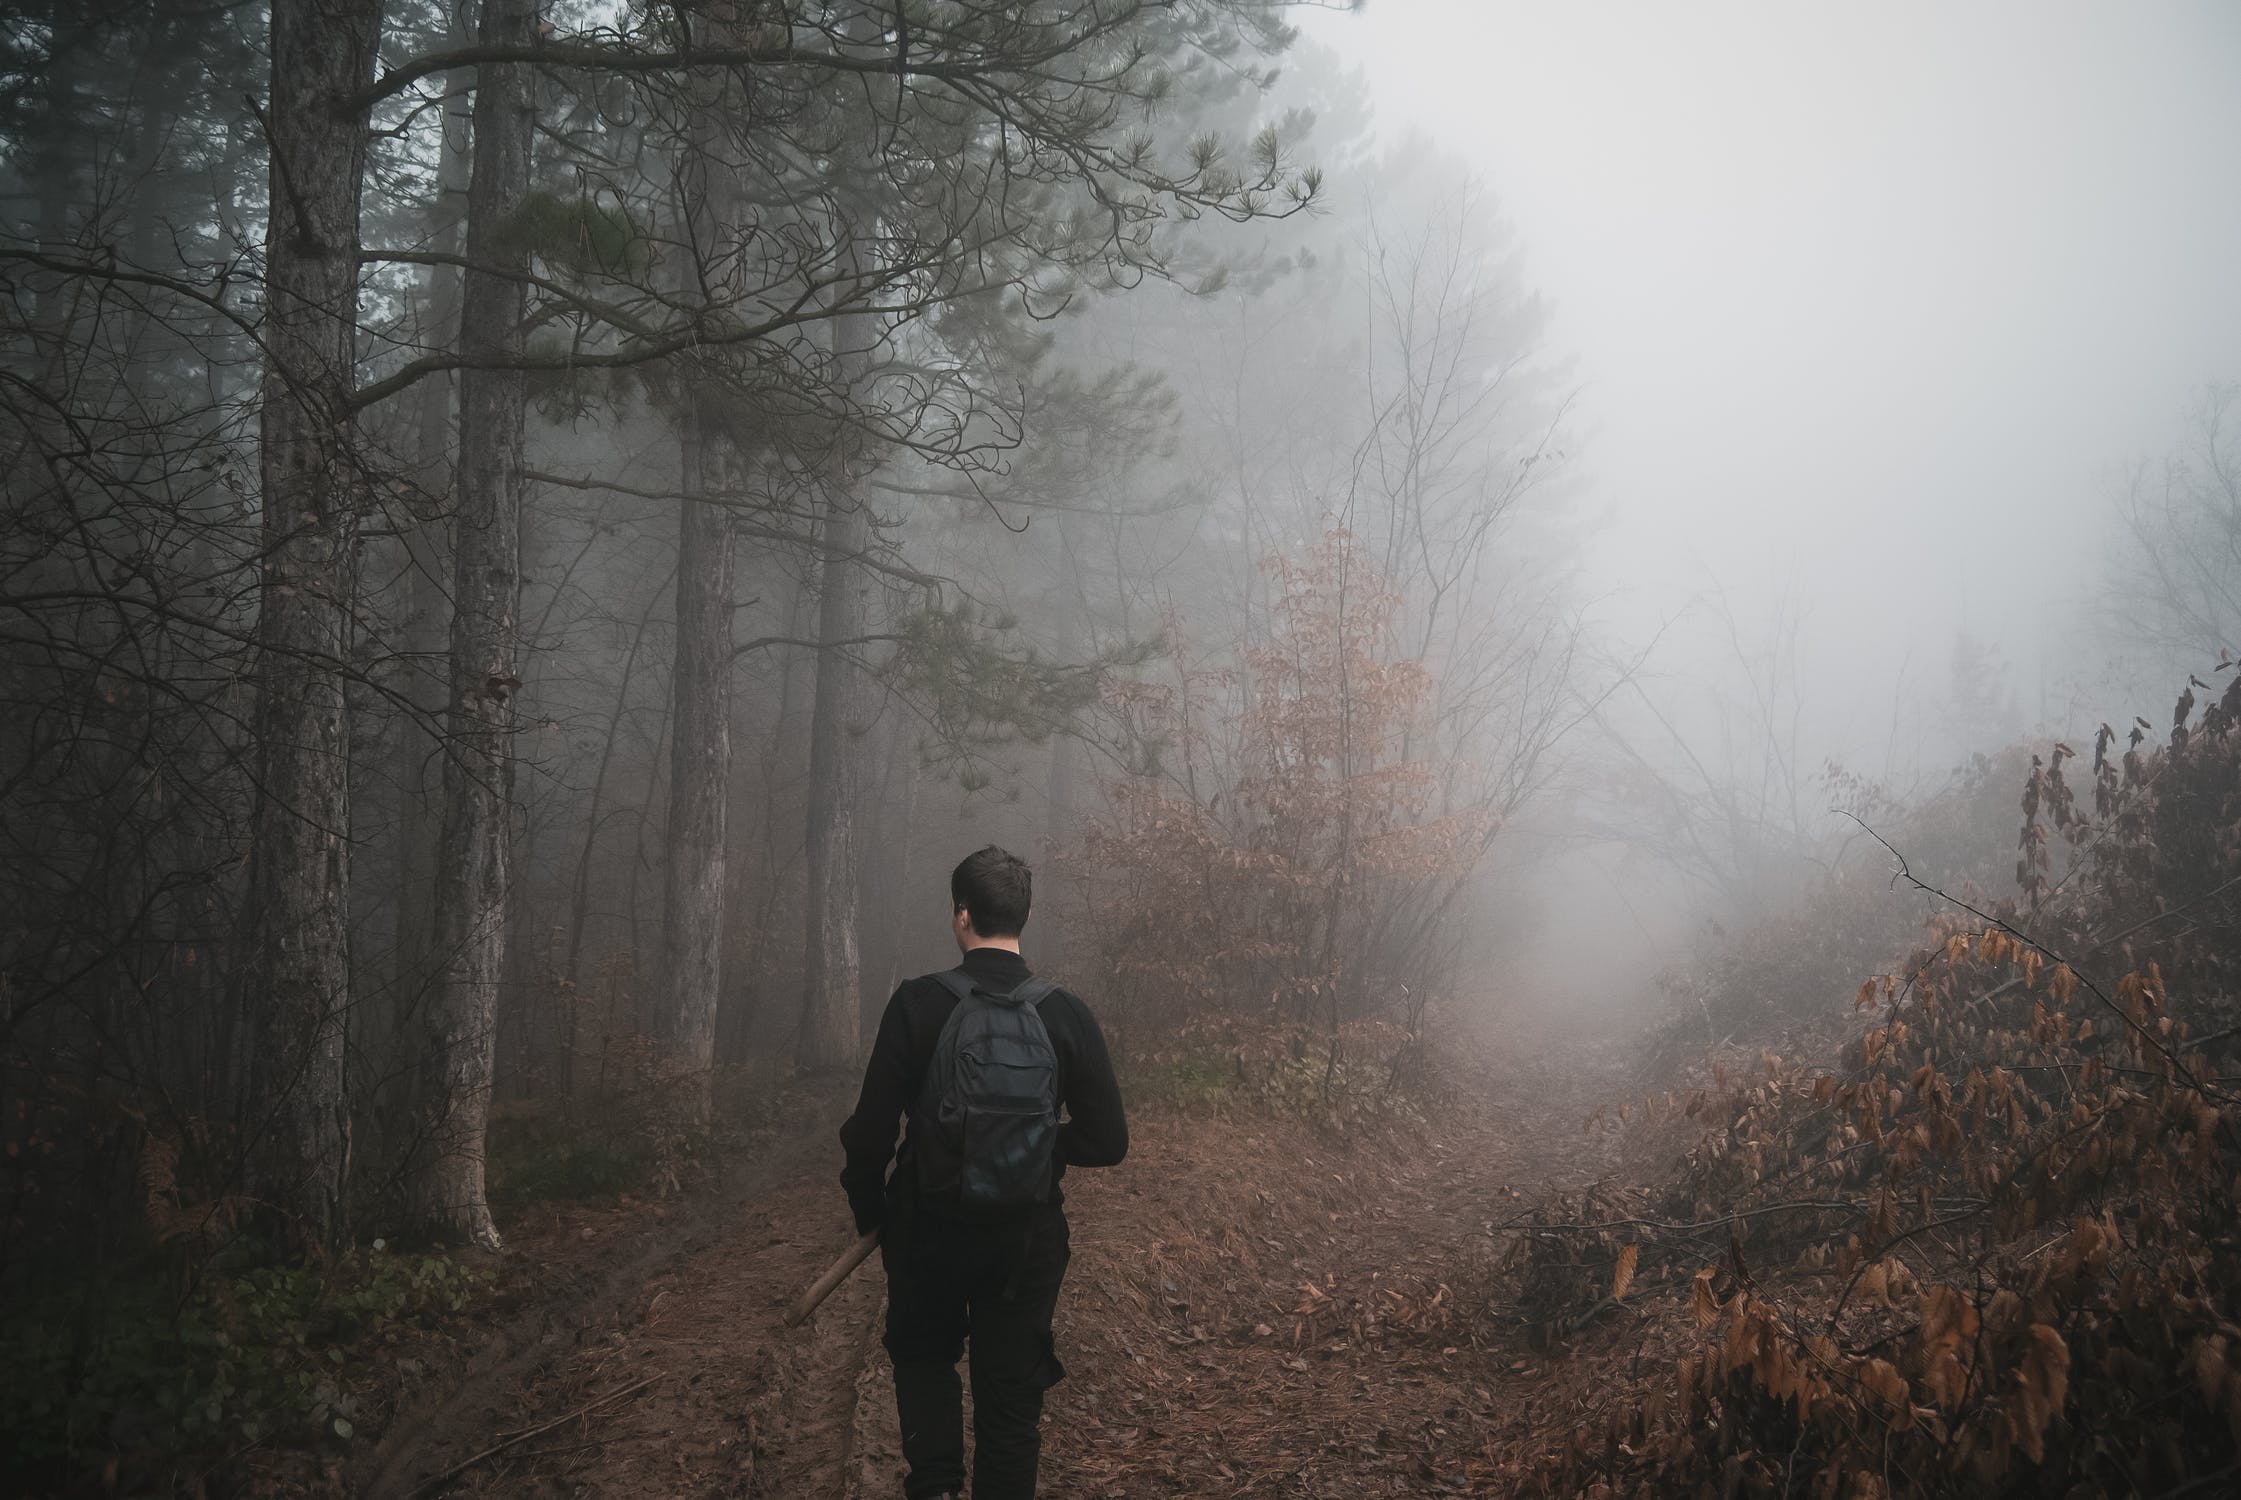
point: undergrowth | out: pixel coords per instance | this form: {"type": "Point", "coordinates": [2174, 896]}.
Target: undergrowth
{"type": "Point", "coordinates": [163, 1378]}
{"type": "Point", "coordinates": [534, 1160]}
{"type": "Point", "coordinates": [1994, 1247]}
{"type": "Point", "coordinates": [1773, 982]}
{"type": "Point", "coordinates": [1367, 1074]}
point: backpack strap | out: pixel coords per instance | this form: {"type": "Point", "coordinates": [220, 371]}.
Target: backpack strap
{"type": "Point", "coordinates": [1031, 991]}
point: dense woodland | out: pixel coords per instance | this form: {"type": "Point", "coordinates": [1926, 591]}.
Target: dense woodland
{"type": "Point", "coordinates": [535, 534]}
{"type": "Point", "coordinates": [509, 584]}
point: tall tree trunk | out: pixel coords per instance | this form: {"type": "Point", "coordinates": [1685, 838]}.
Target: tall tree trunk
{"type": "Point", "coordinates": [1058, 824]}
{"type": "Point", "coordinates": [473, 869]}
{"type": "Point", "coordinates": [699, 776]}
{"type": "Point", "coordinates": [895, 844]}
{"type": "Point", "coordinates": [645, 995]}
{"type": "Point", "coordinates": [771, 924]}
{"type": "Point", "coordinates": [832, 976]}
{"type": "Point", "coordinates": [298, 900]}
{"type": "Point", "coordinates": [690, 972]}
{"type": "Point", "coordinates": [426, 581]}
{"type": "Point", "coordinates": [579, 903]}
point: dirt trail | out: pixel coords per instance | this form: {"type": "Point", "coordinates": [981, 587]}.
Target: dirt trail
{"type": "Point", "coordinates": [1251, 1310]}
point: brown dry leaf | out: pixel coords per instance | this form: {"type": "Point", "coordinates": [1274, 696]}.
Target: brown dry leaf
{"type": "Point", "coordinates": [1746, 1333]}
{"type": "Point", "coordinates": [1945, 1380]}
{"type": "Point", "coordinates": [2088, 1247]}
{"type": "Point", "coordinates": [1624, 1276]}
{"type": "Point", "coordinates": [1948, 1321]}
{"type": "Point", "coordinates": [1702, 1303]}
{"type": "Point", "coordinates": [1780, 1371]}
{"type": "Point", "coordinates": [2042, 1384]}
{"type": "Point", "coordinates": [2046, 1364]}
{"type": "Point", "coordinates": [1881, 1379]}
{"type": "Point", "coordinates": [2209, 1368]}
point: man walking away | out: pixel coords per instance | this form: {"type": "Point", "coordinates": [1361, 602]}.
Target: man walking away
{"type": "Point", "coordinates": [982, 1058]}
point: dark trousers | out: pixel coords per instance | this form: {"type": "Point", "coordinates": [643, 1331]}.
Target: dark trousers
{"type": "Point", "coordinates": [949, 1281]}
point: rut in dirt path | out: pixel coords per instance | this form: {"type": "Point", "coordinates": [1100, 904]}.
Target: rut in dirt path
{"type": "Point", "coordinates": [576, 1306]}
{"type": "Point", "coordinates": [734, 1404]}
{"type": "Point", "coordinates": [1251, 1310]}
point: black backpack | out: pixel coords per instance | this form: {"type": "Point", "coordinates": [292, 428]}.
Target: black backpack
{"type": "Point", "coordinates": [985, 1130]}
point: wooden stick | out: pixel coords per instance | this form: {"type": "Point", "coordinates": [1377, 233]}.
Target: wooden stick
{"type": "Point", "coordinates": [527, 1433]}
{"type": "Point", "coordinates": [835, 1274]}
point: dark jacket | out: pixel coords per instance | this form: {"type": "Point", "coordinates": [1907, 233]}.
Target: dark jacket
{"type": "Point", "coordinates": [1094, 1132]}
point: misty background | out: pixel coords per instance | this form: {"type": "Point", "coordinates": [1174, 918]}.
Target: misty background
{"type": "Point", "coordinates": [538, 533]}
{"type": "Point", "coordinates": [1458, 538]}
{"type": "Point", "coordinates": [1873, 317]}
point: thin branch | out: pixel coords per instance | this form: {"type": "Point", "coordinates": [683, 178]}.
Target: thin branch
{"type": "Point", "coordinates": [437, 1481]}
{"type": "Point", "coordinates": [2178, 1068]}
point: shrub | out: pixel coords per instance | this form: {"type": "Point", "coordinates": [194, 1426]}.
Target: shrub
{"type": "Point", "coordinates": [533, 1160]}
{"type": "Point", "coordinates": [1995, 1246]}
{"type": "Point", "coordinates": [144, 1372]}
{"type": "Point", "coordinates": [1782, 981]}
{"type": "Point", "coordinates": [1295, 886]}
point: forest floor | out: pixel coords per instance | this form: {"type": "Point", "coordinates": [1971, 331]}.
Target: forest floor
{"type": "Point", "coordinates": [1252, 1309]}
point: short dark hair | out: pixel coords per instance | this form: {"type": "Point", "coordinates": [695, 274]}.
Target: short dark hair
{"type": "Point", "coordinates": [994, 888]}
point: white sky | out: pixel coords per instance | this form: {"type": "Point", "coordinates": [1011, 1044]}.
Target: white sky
{"type": "Point", "coordinates": [1873, 297]}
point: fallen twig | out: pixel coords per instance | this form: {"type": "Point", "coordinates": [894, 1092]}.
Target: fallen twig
{"type": "Point", "coordinates": [527, 1433]}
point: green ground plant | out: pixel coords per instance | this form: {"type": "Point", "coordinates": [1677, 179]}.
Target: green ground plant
{"type": "Point", "coordinates": [165, 1377]}
{"type": "Point", "coordinates": [539, 1161]}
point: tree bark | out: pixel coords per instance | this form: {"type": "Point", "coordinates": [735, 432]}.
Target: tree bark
{"type": "Point", "coordinates": [1059, 813]}
{"type": "Point", "coordinates": [298, 899]}
{"type": "Point", "coordinates": [832, 975]}
{"type": "Point", "coordinates": [473, 868]}
{"type": "Point", "coordinates": [699, 776]}
{"type": "Point", "coordinates": [896, 841]}
{"type": "Point", "coordinates": [427, 549]}
{"type": "Point", "coordinates": [690, 969]}
{"type": "Point", "coordinates": [579, 903]}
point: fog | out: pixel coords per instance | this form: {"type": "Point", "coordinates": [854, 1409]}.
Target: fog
{"type": "Point", "coordinates": [1865, 304]}
{"type": "Point", "coordinates": [1870, 311]}
{"type": "Point", "coordinates": [534, 541]}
